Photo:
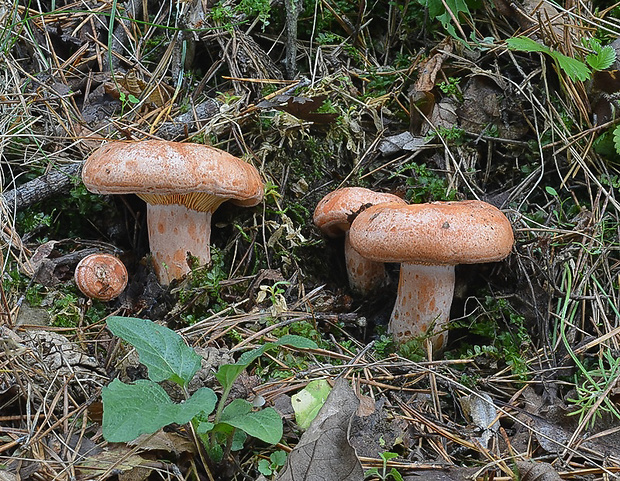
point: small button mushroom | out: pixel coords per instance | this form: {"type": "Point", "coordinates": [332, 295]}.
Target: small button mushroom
{"type": "Point", "coordinates": [183, 184]}
{"type": "Point", "coordinates": [101, 276]}
{"type": "Point", "coordinates": [429, 240]}
{"type": "Point", "coordinates": [332, 215]}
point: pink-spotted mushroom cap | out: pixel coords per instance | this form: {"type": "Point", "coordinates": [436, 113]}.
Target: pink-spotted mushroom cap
{"type": "Point", "coordinates": [101, 276]}
{"type": "Point", "coordinates": [332, 215]}
{"type": "Point", "coordinates": [429, 240]}
{"type": "Point", "coordinates": [183, 184]}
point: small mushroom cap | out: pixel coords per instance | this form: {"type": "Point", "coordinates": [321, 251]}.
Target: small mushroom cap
{"type": "Point", "coordinates": [332, 212]}
{"type": "Point", "coordinates": [450, 233]}
{"type": "Point", "coordinates": [172, 172]}
{"type": "Point", "coordinates": [101, 276]}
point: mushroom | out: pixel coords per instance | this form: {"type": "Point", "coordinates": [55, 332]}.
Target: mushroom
{"type": "Point", "coordinates": [333, 216]}
{"type": "Point", "coordinates": [101, 276]}
{"type": "Point", "coordinates": [183, 184]}
{"type": "Point", "coordinates": [429, 240]}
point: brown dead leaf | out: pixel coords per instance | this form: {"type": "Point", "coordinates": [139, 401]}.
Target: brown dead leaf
{"type": "Point", "coordinates": [533, 471]}
{"type": "Point", "coordinates": [167, 442]}
{"type": "Point", "coordinates": [431, 67]}
{"type": "Point", "coordinates": [304, 108]}
{"type": "Point", "coordinates": [324, 451]}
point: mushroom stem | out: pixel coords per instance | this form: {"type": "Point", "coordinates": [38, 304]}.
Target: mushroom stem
{"type": "Point", "coordinates": [423, 302]}
{"type": "Point", "coordinates": [175, 231]}
{"type": "Point", "coordinates": [364, 275]}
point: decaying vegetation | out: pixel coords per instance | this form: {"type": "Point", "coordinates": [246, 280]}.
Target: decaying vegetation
{"type": "Point", "coordinates": [513, 103]}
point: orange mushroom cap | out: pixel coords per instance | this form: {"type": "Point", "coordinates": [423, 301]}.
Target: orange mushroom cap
{"type": "Point", "coordinates": [101, 276]}
{"type": "Point", "coordinates": [331, 214]}
{"type": "Point", "coordinates": [163, 172]}
{"type": "Point", "coordinates": [183, 184]}
{"type": "Point", "coordinates": [449, 233]}
{"type": "Point", "coordinates": [429, 240]}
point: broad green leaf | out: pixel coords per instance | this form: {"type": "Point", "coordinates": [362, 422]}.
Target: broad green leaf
{"type": "Point", "coordinates": [227, 373]}
{"type": "Point", "coordinates": [265, 424]}
{"type": "Point", "coordinates": [130, 410]}
{"type": "Point", "coordinates": [161, 350]}
{"type": "Point", "coordinates": [236, 408]}
{"type": "Point", "coordinates": [308, 402]}
{"type": "Point", "coordinates": [525, 44]}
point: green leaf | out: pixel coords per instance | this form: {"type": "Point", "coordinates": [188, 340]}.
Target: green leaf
{"type": "Point", "coordinates": [161, 350]}
{"type": "Point", "coordinates": [602, 58]}
{"type": "Point", "coordinates": [264, 467]}
{"type": "Point", "coordinates": [525, 44]}
{"type": "Point", "coordinates": [575, 69]}
{"type": "Point", "coordinates": [551, 191]}
{"type": "Point", "coordinates": [278, 458]}
{"type": "Point", "coordinates": [308, 401]}
{"type": "Point", "coordinates": [438, 9]}
{"type": "Point", "coordinates": [291, 340]}
{"type": "Point", "coordinates": [396, 475]}
{"type": "Point", "coordinates": [130, 410]}
{"type": "Point", "coordinates": [265, 425]}
{"type": "Point", "coordinates": [616, 135]}
{"type": "Point", "coordinates": [227, 373]}
{"type": "Point", "coordinates": [236, 408]}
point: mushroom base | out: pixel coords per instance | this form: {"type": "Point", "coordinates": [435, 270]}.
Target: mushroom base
{"type": "Point", "coordinates": [423, 303]}
{"type": "Point", "coordinates": [174, 232]}
{"type": "Point", "coordinates": [364, 275]}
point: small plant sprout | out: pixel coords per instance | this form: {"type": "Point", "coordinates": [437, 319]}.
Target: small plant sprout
{"type": "Point", "coordinates": [384, 474]}
{"type": "Point", "coordinates": [221, 426]}
{"type": "Point", "coordinates": [275, 293]}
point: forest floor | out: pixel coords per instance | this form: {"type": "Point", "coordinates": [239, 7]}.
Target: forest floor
{"type": "Point", "coordinates": [511, 103]}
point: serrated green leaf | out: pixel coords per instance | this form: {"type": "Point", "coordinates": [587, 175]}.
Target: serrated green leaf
{"type": "Point", "coordinates": [575, 69]}
{"type": "Point", "coordinates": [161, 350]}
{"type": "Point", "coordinates": [265, 424]}
{"type": "Point", "coordinates": [130, 410]}
{"type": "Point", "coordinates": [616, 136]}
{"type": "Point", "coordinates": [602, 59]}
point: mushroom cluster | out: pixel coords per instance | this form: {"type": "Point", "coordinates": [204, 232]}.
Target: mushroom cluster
{"type": "Point", "coordinates": [183, 184]}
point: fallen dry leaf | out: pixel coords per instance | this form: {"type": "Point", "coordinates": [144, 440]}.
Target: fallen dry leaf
{"type": "Point", "coordinates": [324, 452]}
{"type": "Point", "coordinates": [533, 471]}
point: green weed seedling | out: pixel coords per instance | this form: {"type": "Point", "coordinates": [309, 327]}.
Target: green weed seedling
{"type": "Point", "coordinates": [269, 467]}
{"type": "Point", "coordinates": [144, 407]}
{"type": "Point", "coordinates": [384, 474]}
